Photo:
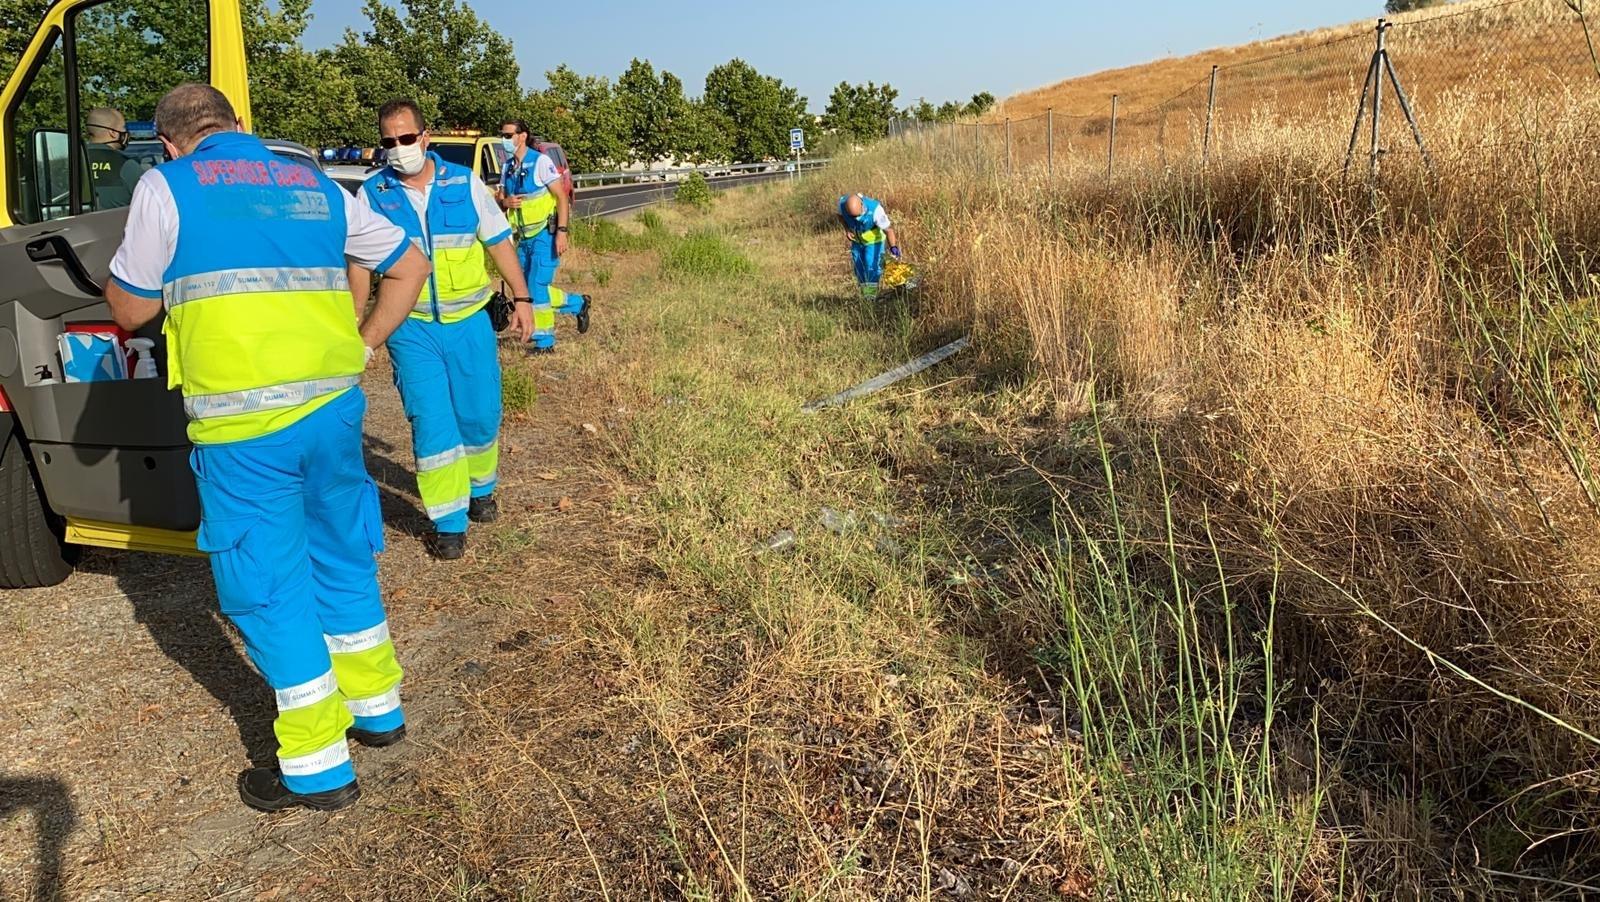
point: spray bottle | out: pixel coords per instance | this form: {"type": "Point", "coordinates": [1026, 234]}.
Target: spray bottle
{"type": "Point", "coordinates": [145, 368]}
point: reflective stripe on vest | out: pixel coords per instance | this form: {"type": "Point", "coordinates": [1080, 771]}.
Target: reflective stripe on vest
{"type": "Point", "coordinates": [260, 327]}
{"type": "Point", "coordinates": [459, 286]}
{"type": "Point", "coordinates": [276, 397]}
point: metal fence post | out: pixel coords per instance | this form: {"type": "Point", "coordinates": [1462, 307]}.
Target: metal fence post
{"type": "Point", "coordinates": [955, 149]}
{"type": "Point", "coordinates": [1377, 96]}
{"type": "Point", "coordinates": [1111, 149]}
{"type": "Point", "coordinates": [1211, 112]}
{"type": "Point", "coordinates": [1050, 142]}
{"type": "Point", "coordinates": [1008, 145]}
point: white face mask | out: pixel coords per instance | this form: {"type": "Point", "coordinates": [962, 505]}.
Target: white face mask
{"type": "Point", "coordinates": [408, 160]}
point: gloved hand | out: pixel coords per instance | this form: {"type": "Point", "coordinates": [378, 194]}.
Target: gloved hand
{"type": "Point", "coordinates": [895, 251]}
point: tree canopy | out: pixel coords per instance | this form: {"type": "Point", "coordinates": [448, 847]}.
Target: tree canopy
{"type": "Point", "coordinates": [460, 70]}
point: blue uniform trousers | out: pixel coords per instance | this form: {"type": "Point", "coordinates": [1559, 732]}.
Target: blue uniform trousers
{"type": "Point", "coordinates": [868, 262]}
{"type": "Point", "coordinates": [448, 375]}
{"type": "Point", "coordinates": [539, 264]}
{"type": "Point", "coordinates": [292, 525]}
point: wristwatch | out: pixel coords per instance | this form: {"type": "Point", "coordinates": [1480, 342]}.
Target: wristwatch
{"type": "Point", "coordinates": [561, 228]}
{"type": "Point", "coordinates": [528, 301]}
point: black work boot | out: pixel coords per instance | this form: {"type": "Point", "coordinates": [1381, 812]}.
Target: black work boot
{"type": "Point", "coordinates": [377, 740]}
{"type": "Point", "coordinates": [583, 315]}
{"type": "Point", "coordinates": [483, 510]}
{"type": "Point", "coordinates": [448, 546]}
{"type": "Point", "coordinates": [262, 789]}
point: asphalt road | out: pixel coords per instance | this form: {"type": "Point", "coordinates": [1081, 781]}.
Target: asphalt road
{"type": "Point", "coordinates": [613, 200]}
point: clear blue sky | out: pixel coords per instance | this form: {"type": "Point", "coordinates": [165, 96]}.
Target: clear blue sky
{"type": "Point", "coordinates": [937, 49]}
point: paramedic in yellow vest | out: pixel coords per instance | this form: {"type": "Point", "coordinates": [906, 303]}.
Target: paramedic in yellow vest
{"type": "Point", "coordinates": [445, 355]}
{"type": "Point", "coordinates": [246, 252]}
{"type": "Point", "coordinates": [533, 194]}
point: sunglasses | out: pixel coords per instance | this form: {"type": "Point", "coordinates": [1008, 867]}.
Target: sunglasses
{"type": "Point", "coordinates": [509, 135]}
{"type": "Point", "coordinates": [405, 140]}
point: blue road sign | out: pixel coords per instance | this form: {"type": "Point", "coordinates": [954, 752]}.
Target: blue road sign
{"type": "Point", "coordinates": [797, 139]}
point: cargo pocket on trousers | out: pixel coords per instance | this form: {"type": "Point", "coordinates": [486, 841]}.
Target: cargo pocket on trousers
{"type": "Point", "coordinates": [372, 516]}
{"type": "Point", "coordinates": [243, 584]}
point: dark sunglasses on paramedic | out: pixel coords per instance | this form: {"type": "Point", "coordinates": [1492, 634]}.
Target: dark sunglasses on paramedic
{"type": "Point", "coordinates": [406, 140]}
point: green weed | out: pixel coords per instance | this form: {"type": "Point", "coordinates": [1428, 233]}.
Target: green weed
{"type": "Point", "coordinates": [703, 256]}
{"type": "Point", "coordinates": [695, 192]}
{"type": "Point", "coordinates": [518, 389]}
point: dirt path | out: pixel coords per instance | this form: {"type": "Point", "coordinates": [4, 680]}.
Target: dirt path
{"type": "Point", "coordinates": [131, 709]}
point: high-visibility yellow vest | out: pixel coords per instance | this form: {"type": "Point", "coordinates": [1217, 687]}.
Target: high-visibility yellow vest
{"type": "Point", "coordinates": [459, 286]}
{"type": "Point", "coordinates": [260, 328]}
{"type": "Point", "coordinates": [538, 201]}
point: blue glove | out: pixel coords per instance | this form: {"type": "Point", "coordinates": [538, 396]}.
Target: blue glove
{"type": "Point", "coordinates": [895, 252]}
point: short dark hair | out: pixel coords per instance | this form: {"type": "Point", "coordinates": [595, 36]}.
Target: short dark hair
{"type": "Point", "coordinates": [402, 105]}
{"type": "Point", "coordinates": [192, 111]}
{"type": "Point", "coordinates": [520, 125]}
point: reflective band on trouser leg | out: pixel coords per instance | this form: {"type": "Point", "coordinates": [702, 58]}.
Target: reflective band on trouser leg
{"type": "Point", "coordinates": [565, 301]}
{"type": "Point", "coordinates": [308, 714]}
{"type": "Point", "coordinates": [369, 677]}
{"type": "Point", "coordinates": [483, 469]}
{"type": "Point", "coordinates": [544, 318]}
{"type": "Point", "coordinates": [444, 486]}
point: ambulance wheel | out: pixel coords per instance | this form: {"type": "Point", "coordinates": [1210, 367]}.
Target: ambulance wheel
{"type": "Point", "coordinates": [32, 553]}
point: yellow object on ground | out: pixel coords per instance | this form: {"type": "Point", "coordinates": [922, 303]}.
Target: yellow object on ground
{"type": "Point", "coordinates": [896, 275]}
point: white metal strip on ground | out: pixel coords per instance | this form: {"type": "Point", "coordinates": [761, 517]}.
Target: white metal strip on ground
{"type": "Point", "coordinates": [904, 371]}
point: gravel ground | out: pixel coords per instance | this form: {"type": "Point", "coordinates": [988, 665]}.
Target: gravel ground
{"type": "Point", "coordinates": [130, 708]}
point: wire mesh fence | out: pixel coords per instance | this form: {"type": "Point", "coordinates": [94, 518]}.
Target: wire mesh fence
{"type": "Point", "coordinates": [1421, 89]}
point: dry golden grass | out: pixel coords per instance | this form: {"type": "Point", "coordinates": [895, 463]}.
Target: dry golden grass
{"type": "Point", "coordinates": [1478, 73]}
{"type": "Point", "coordinates": [1375, 403]}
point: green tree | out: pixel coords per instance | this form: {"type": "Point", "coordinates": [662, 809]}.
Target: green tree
{"type": "Point", "coordinates": [582, 114]}
{"type": "Point", "coordinates": [981, 103]}
{"type": "Point", "coordinates": [760, 108]}
{"type": "Point", "coordinates": [654, 112]}
{"type": "Point", "coordinates": [438, 52]}
{"type": "Point", "coordinates": [295, 93]}
{"type": "Point", "coordinates": [861, 112]}
{"type": "Point", "coordinates": [706, 135]}
{"type": "Point", "coordinates": [18, 20]}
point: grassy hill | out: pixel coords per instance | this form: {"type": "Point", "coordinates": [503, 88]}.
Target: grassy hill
{"type": "Point", "coordinates": [1477, 72]}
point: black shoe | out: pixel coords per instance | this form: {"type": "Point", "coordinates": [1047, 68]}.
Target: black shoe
{"type": "Point", "coordinates": [448, 546]}
{"type": "Point", "coordinates": [483, 510]}
{"type": "Point", "coordinates": [377, 740]}
{"type": "Point", "coordinates": [583, 315]}
{"type": "Point", "coordinates": [262, 789]}
{"type": "Point", "coordinates": [538, 350]}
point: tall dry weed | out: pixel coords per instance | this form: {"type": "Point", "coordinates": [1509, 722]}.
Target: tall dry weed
{"type": "Point", "coordinates": [1381, 396]}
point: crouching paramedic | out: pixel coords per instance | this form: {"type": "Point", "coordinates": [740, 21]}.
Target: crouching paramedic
{"type": "Point", "coordinates": [532, 196]}
{"type": "Point", "coordinates": [247, 253]}
{"type": "Point", "coordinates": [870, 230]}
{"type": "Point", "coordinates": [446, 362]}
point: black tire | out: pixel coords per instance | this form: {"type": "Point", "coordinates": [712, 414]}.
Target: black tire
{"type": "Point", "coordinates": [32, 553]}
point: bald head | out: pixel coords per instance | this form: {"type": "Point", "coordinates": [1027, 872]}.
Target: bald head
{"type": "Point", "coordinates": [854, 206]}
{"type": "Point", "coordinates": [106, 126]}
{"type": "Point", "coordinates": [191, 112]}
